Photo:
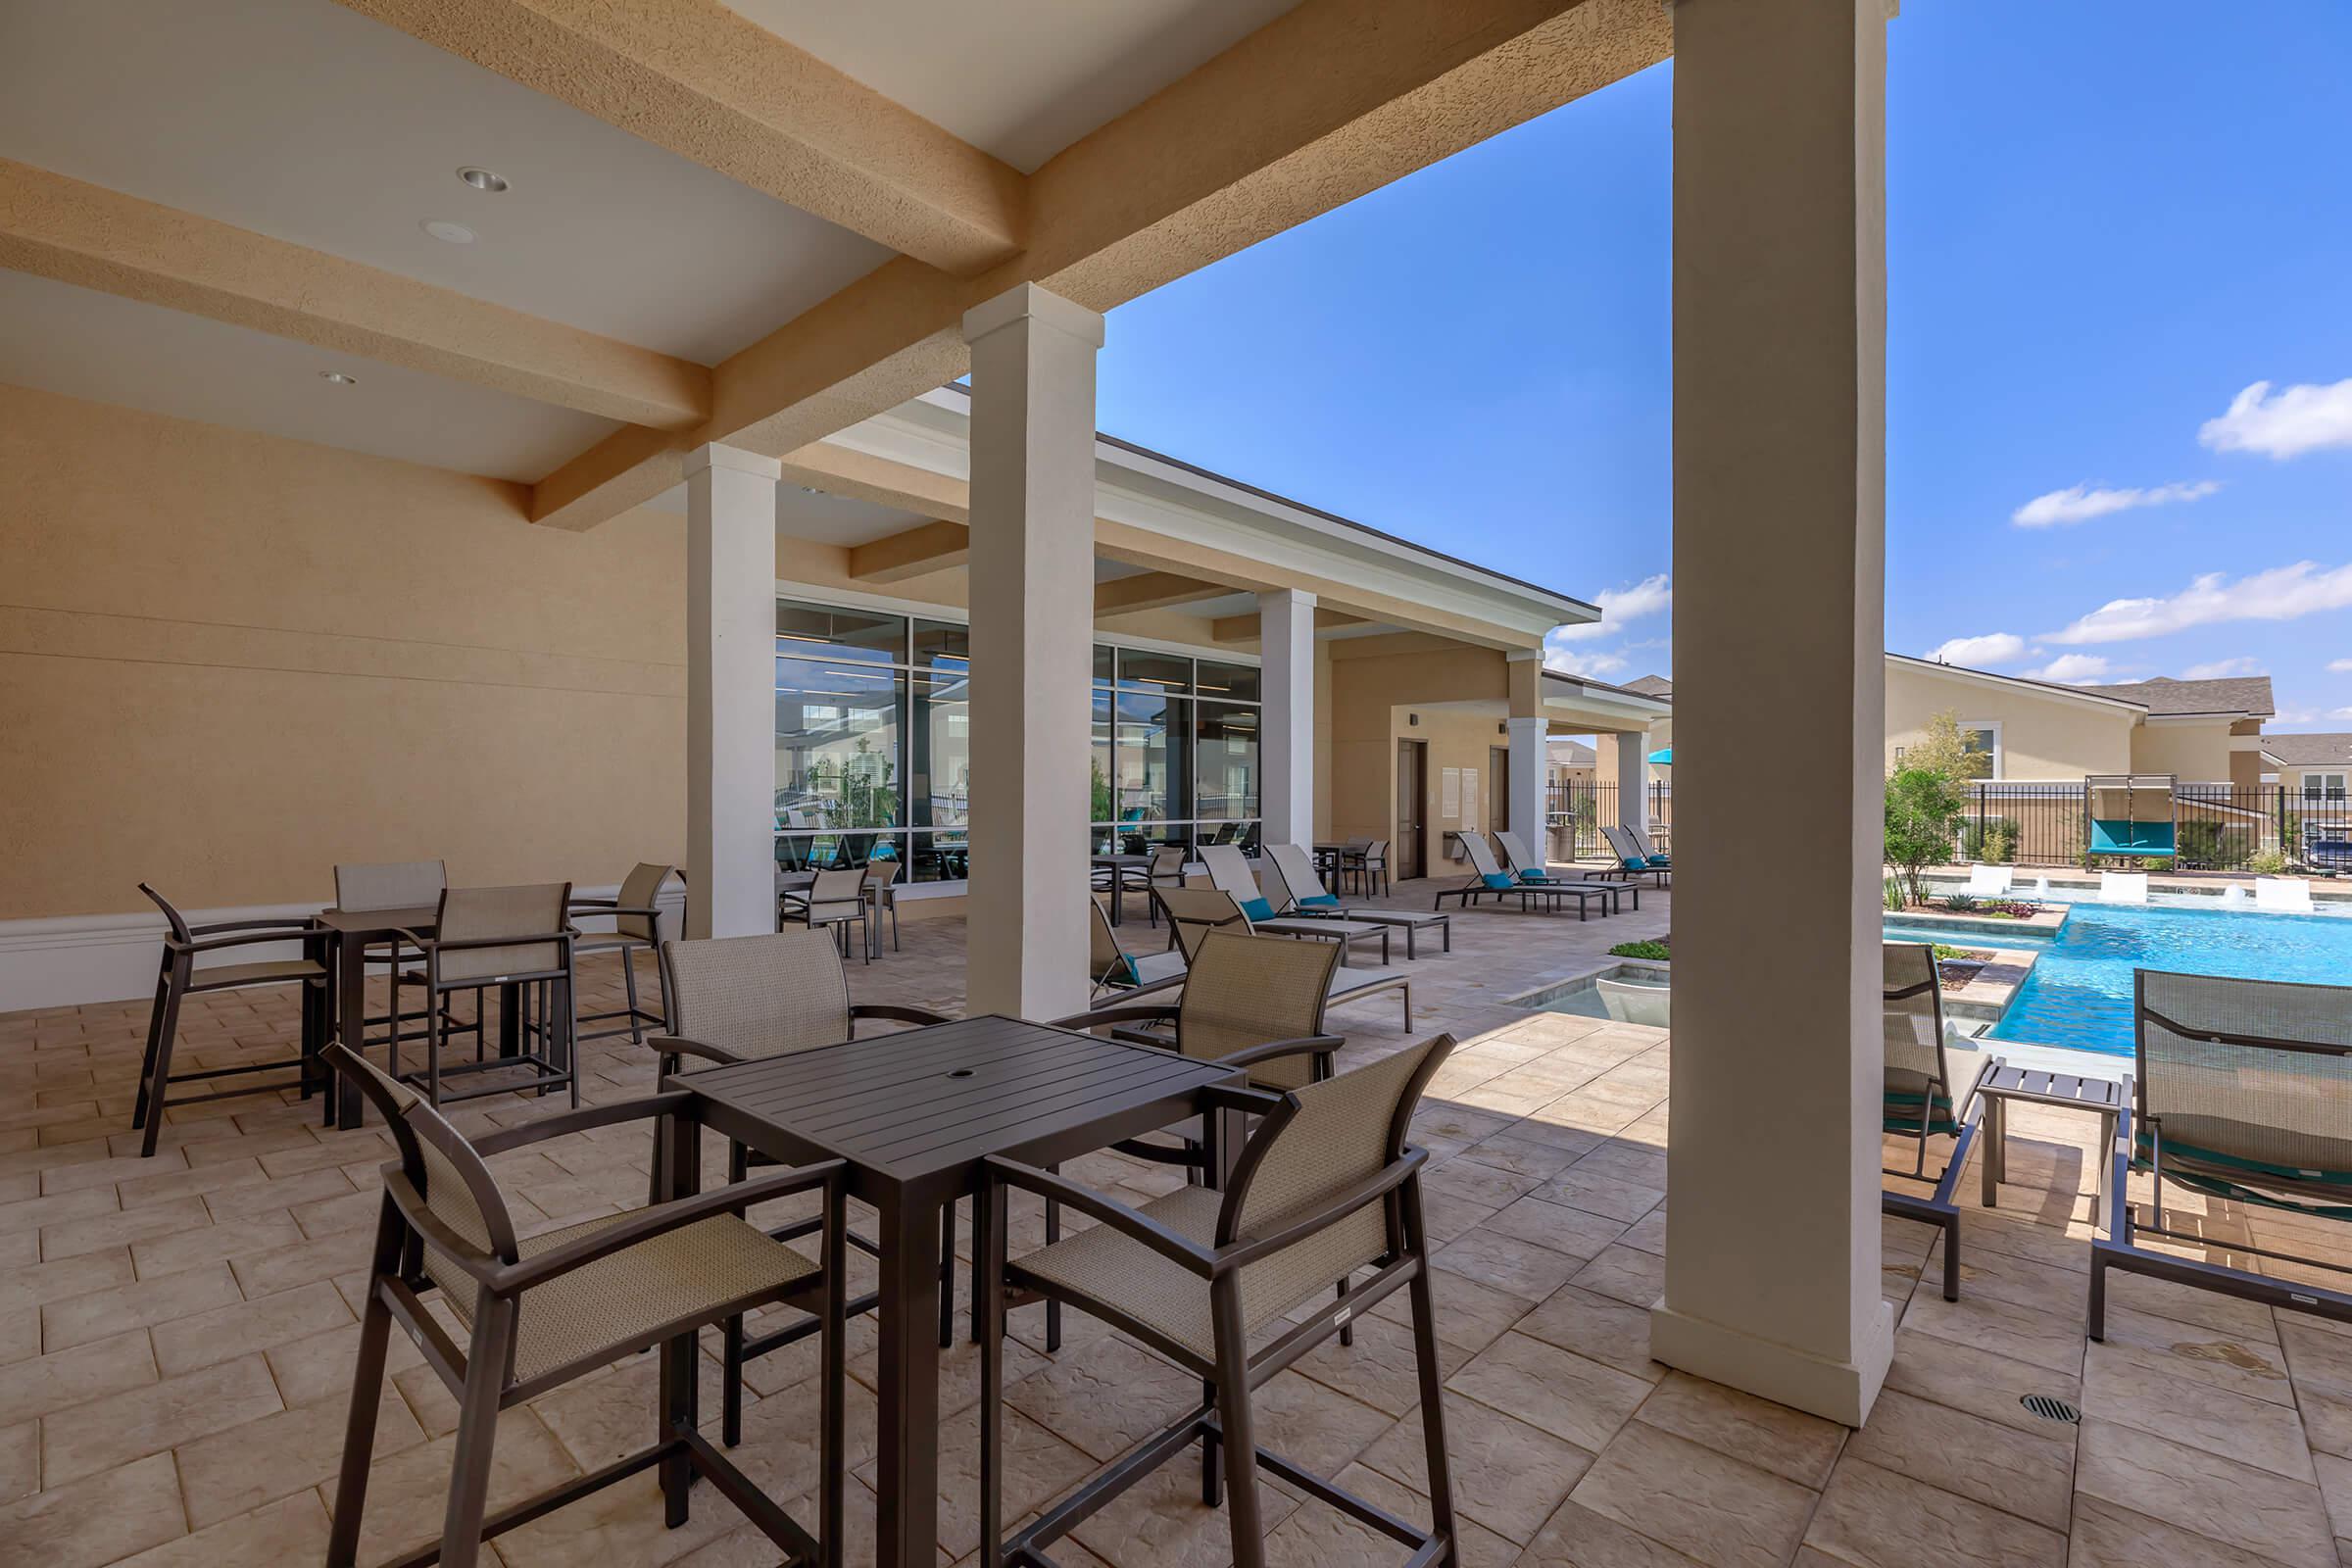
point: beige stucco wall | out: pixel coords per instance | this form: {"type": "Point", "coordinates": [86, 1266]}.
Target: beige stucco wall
{"type": "Point", "coordinates": [2041, 737]}
{"type": "Point", "coordinates": [2199, 752]}
{"type": "Point", "coordinates": [229, 661]}
{"type": "Point", "coordinates": [1380, 686]}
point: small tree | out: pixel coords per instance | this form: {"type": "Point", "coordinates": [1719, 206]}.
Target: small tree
{"type": "Point", "coordinates": [1947, 751]}
{"type": "Point", "coordinates": [1924, 809]}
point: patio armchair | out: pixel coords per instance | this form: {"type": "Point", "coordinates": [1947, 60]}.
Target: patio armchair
{"type": "Point", "coordinates": [1195, 912]}
{"type": "Point", "coordinates": [740, 999]}
{"type": "Point", "coordinates": [833, 901]}
{"type": "Point", "coordinates": [636, 929]}
{"type": "Point", "coordinates": [1230, 871]}
{"type": "Point", "coordinates": [882, 896]}
{"type": "Point", "coordinates": [520, 937]}
{"type": "Point", "coordinates": [1488, 878]}
{"type": "Point", "coordinates": [1304, 896]}
{"type": "Point", "coordinates": [178, 978]}
{"type": "Point", "coordinates": [2241, 1092]}
{"type": "Point", "coordinates": [1924, 1095]}
{"type": "Point", "coordinates": [542, 1311]}
{"type": "Point", "coordinates": [1112, 968]}
{"type": "Point", "coordinates": [398, 885]}
{"type": "Point", "coordinates": [1325, 1186]}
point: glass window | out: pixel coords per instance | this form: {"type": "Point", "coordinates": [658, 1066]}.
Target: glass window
{"type": "Point", "coordinates": [1101, 663]}
{"type": "Point", "coordinates": [1227, 761]}
{"type": "Point", "coordinates": [837, 747]}
{"type": "Point", "coordinates": [1981, 750]}
{"type": "Point", "coordinates": [2323, 786]}
{"type": "Point", "coordinates": [862, 635]}
{"type": "Point", "coordinates": [1164, 672]}
{"type": "Point", "coordinates": [1151, 776]}
{"type": "Point", "coordinates": [941, 642]}
{"type": "Point", "coordinates": [939, 763]}
{"type": "Point", "coordinates": [1233, 682]}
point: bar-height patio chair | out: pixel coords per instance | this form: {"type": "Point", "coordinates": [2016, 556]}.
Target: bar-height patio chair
{"type": "Point", "coordinates": [1326, 1185]}
{"type": "Point", "coordinates": [739, 998]}
{"type": "Point", "coordinates": [178, 978]}
{"type": "Point", "coordinates": [882, 897]}
{"type": "Point", "coordinates": [1925, 1095]}
{"type": "Point", "coordinates": [398, 885]}
{"type": "Point", "coordinates": [1229, 870]}
{"type": "Point", "coordinates": [518, 936]}
{"type": "Point", "coordinates": [1166, 871]}
{"type": "Point", "coordinates": [834, 902]}
{"type": "Point", "coordinates": [1633, 857]}
{"type": "Point", "coordinates": [2241, 1092]}
{"type": "Point", "coordinates": [636, 929]}
{"type": "Point", "coordinates": [543, 1311]}
{"type": "Point", "coordinates": [1488, 878]}
{"type": "Point", "coordinates": [1372, 868]}
{"type": "Point", "coordinates": [1193, 912]}
{"type": "Point", "coordinates": [1531, 868]}
{"type": "Point", "coordinates": [1301, 893]}
{"type": "Point", "coordinates": [1111, 967]}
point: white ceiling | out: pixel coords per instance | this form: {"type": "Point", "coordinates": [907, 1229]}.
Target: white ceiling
{"type": "Point", "coordinates": [85, 344]}
{"type": "Point", "coordinates": [814, 514]}
{"type": "Point", "coordinates": [1018, 79]}
{"type": "Point", "coordinates": [303, 121]}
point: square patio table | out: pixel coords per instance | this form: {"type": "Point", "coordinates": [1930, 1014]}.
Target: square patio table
{"type": "Point", "coordinates": [912, 1116]}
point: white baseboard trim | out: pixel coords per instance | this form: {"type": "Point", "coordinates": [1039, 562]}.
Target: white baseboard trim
{"type": "Point", "coordinates": [76, 959]}
{"type": "Point", "coordinates": [1841, 1390]}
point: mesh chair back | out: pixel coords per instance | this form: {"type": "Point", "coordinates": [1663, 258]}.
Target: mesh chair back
{"type": "Point", "coordinates": [533, 914]}
{"type": "Point", "coordinates": [2252, 1077]}
{"type": "Point", "coordinates": [1105, 960]}
{"type": "Point", "coordinates": [1229, 869]}
{"type": "Point", "coordinates": [1358, 846]}
{"type": "Point", "coordinates": [1621, 844]}
{"type": "Point", "coordinates": [171, 916]}
{"type": "Point", "coordinates": [1336, 1135]}
{"type": "Point", "coordinates": [1193, 912]}
{"type": "Point", "coordinates": [1294, 873]}
{"type": "Point", "coordinates": [1515, 852]}
{"type": "Point", "coordinates": [759, 996]}
{"type": "Point", "coordinates": [880, 873]}
{"type": "Point", "coordinates": [1481, 852]}
{"type": "Point", "coordinates": [392, 885]}
{"type": "Point", "coordinates": [837, 887]}
{"type": "Point", "coordinates": [1913, 1007]}
{"type": "Point", "coordinates": [458, 1189]}
{"type": "Point", "coordinates": [1242, 991]}
{"type": "Point", "coordinates": [1167, 861]}
{"type": "Point", "coordinates": [1377, 852]}
{"type": "Point", "coordinates": [638, 891]}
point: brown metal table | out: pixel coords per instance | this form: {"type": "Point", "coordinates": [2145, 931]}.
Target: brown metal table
{"type": "Point", "coordinates": [912, 1116]}
{"type": "Point", "coordinates": [355, 932]}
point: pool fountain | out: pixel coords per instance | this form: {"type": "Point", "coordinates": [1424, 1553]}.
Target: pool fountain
{"type": "Point", "coordinates": [2236, 897]}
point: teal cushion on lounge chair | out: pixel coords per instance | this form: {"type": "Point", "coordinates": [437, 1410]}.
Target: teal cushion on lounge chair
{"type": "Point", "coordinates": [1498, 880]}
{"type": "Point", "coordinates": [1125, 972]}
{"type": "Point", "coordinates": [1257, 908]}
{"type": "Point", "coordinates": [1636, 863]}
{"type": "Point", "coordinates": [1320, 901]}
{"type": "Point", "coordinates": [2218, 1185]}
{"type": "Point", "coordinates": [1661, 863]}
{"type": "Point", "coordinates": [1900, 1114]}
{"type": "Point", "coordinates": [1535, 877]}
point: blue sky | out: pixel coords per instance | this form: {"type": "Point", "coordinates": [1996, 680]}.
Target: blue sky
{"type": "Point", "coordinates": [2107, 222]}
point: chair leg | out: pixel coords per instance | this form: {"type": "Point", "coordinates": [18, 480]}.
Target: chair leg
{"type": "Point", "coordinates": [832, 1399]}
{"type": "Point", "coordinates": [367, 1394]}
{"type": "Point", "coordinates": [1213, 1471]}
{"type": "Point", "coordinates": [166, 1036]}
{"type": "Point", "coordinates": [1346, 1329]}
{"type": "Point", "coordinates": [478, 1434]}
{"type": "Point", "coordinates": [1241, 1514]}
{"type": "Point", "coordinates": [1053, 1306]}
{"type": "Point", "coordinates": [987, 1211]}
{"type": "Point", "coordinates": [947, 1280]}
{"type": "Point", "coordinates": [730, 1394]}
{"type": "Point", "coordinates": [572, 1039]}
{"type": "Point", "coordinates": [628, 980]}
{"type": "Point", "coordinates": [1432, 1374]}
{"type": "Point", "coordinates": [154, 1023]}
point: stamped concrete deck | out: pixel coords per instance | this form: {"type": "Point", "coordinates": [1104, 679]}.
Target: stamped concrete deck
{"type": "Point", "coordinates": [177, 1334]}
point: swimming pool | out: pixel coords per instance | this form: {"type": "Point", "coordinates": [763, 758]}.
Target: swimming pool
{"type": "Point", "coordinates": [2080, 993]}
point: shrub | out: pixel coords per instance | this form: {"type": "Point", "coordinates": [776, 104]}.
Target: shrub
{"type": "Point", "coordinates": [1923, 811]}
{"type": "Point", "coordinates": [2266, 862]}
{"type": "Point", "coordinates": [1960, 903]}
{"type": "Point", "coordinates": [1894, 895]}
{"type": "Point", "coordinates": [1993, 839]}
{"type": "Point", "coordinates": [1656, 951]}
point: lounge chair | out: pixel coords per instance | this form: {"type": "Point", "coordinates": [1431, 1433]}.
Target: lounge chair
{"type": "Point", "coordinates": [1990, 882]}
{"type": "Point", "coordinates": [1532, 870]}
{"type": "Point", "coordinates": [2242, 1092]}
{"type": "Point", "coordinates": [1631, 1003]}
{"type": "Point", "coordinates": [1645, 843]}
{"type": "Point", "coordinates": [1229, 870]}
{"type": "Point", "coordinates": [1488, 877]}
{"type": "Point", "coordinates": [1110, 967]}
{"type": "Point", "coordinates": [1925, 1095]}
{"type": "Point", "coordinates": [2282, 894]}
{"type": "Point", "coordinates": [1634, 858]}
{"type": "Point", "coordinates": [2122, 887]}
{"type": "Point", "coordinates": [1193, 912]}
{"type": "Point", "coordinates": [1305, 896]}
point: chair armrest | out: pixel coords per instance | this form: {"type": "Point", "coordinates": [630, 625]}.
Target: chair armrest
{"type": "Point", "coordinates": [246, 940]}
{"type": "Point", "coordinates": [1305, 1046]}
{"type": "Point", "coordinates": [895, 1013]}
{"type": "Point", "coordinates": [666, 1103]}
{"type": "Point", "coordinates": [1127, 1012]}
{"type": "Point", "coordinates": [419, 1216]}
{"type": "Point", "coordinates": [662, 1218]}
{"type": "Point", "coordinates": [679, 1045]}
{"type": "Point", "coordinates": [1243, 1250]}
{"type": "Point", "coordinates": [1132, 1223]}
{"type": "Point", "coordinates": [303, 922]}
{"type": "Point", "coordinates": [591, 904]}
{"type": "Point", "coordinates": [1239, 1097]}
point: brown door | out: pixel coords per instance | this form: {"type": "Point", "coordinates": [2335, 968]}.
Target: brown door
{"type": "Point", "coordinates": [1499, 788]}
{"type": "Point", "coordinates": [1412, 800]}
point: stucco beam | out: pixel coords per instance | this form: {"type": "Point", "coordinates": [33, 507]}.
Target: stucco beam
{"type": "Point", "coordinates": [1154, 590]}
{"type": "Point", "coordinates": [710, 86]}
{"type": "Point", "coordinates": [1327, 102]}
{"type": "Point", "coordinates": [914, 553]}
{"type": "Point", "coordinates": [1244, 628]}
{"type": "Point", "coordinates": [61, 229]}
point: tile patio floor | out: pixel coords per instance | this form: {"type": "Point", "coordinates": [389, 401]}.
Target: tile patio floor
{"type": "Point", "coordinates": [175, 1339]}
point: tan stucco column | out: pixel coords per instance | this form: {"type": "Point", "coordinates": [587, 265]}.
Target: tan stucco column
{"type": "Point", "coordinates": [1286, 731]}
{"type": "Point", "coordinates": [1033, 626]}
{"type": "Point", "coordinates": [730, 692]}
{"type": "Point", "coordinates": [1527, 727]}
{"type": "Point", "coordinates": [1772, 1243]}
{"type": "Point", "coordinates": [1632, 780]}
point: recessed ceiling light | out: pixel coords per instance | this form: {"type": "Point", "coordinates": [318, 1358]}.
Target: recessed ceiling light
{"type": "Point", "coordinates": [483, 180]}
{"type": "Point", "coordinates": [810, 490]}
{"type": "Point", "coordinates": [443, 230]}
{"type": "Point", "coordinates": [338, 379]}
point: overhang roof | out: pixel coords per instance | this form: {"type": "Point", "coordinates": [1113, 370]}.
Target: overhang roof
{"type": "Point", "coordinates": [2242, 697]}
{"type": "Point", "coordinates": [2309, 751]}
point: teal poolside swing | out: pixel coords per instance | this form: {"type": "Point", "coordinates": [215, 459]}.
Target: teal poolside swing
{"type": "Point", "coordinates": [2132, 814]}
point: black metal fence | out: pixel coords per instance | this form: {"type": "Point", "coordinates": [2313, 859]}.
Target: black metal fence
{"type": "Point", "coordinates": [1578, 810]}
{"type": "Point", "coordinates": [2217, 826]}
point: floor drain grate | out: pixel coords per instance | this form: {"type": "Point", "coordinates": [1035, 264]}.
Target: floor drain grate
{"type": "Point", "coordinates": [2049, 1409]}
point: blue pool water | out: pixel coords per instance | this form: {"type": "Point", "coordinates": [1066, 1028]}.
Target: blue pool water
{"type": "Point", "coordinates": [2080, 993]}
{"type": "Point", "coordinates": [2024, 936]}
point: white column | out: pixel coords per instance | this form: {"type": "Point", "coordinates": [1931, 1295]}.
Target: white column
{"type": "Point", "coordinates": [730, 692]}
{"type": "Point", "coordinates": [1633, 781]}
{"type": "Point", "coordinates": [1526, 788]}
{"type": "Point", "coordinates": [1772, 1243]}
{"type": "Point", "coordinates": [1032, 625]}
{"type": "Point", "coordinates": [1286, 734]}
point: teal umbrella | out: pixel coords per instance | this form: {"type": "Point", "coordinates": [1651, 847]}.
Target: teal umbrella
{"type": "Point", "coordinates": [1663, 756]}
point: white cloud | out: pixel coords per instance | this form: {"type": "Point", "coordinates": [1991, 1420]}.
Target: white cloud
{"type": "Point", "coordinates": [1993, 648]}
{"type": "Point", "coordinates": [2082, 502]}
{"type": "Point", "coordinates": [2301, 419]}
{"type": "Point", "coordinates": [1596, 664]}
{"type": "Point", "coordinates": [2070, 670]}
{"type": "Point", "coordinates": [2340, 667]}
{"type": "Point", "coordinates": [2282, 593]}
{"type": "Point", "coordinates": [2223, 670]}
{"type": "Point", "coordinates": [1652, 596]}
